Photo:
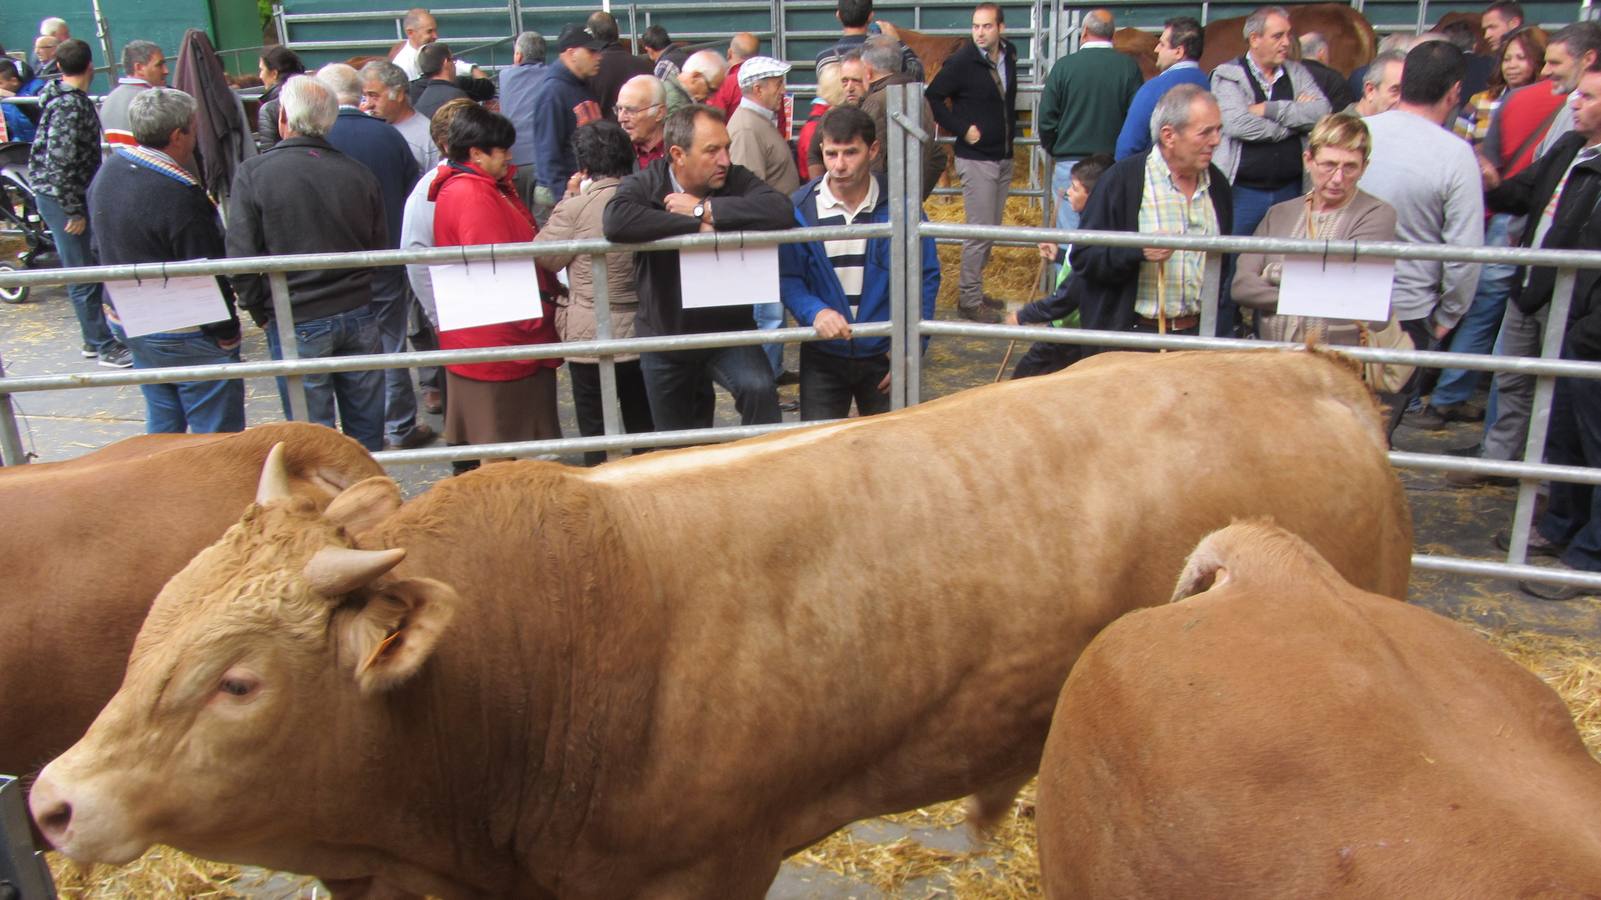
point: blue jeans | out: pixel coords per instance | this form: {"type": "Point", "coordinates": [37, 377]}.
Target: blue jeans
{"type": "Point", "coordinates": [87, 299]}
{"type": "Point", "coordinates": [391, 306]}
{"type": "Point", "coordinates": [1061, 180]}
{"type": "Point", "coordinates": [203, 407]}
{"type": "Point", "coordinates": [1477, 330]}
{"type": "Point", "coordinates": [1573, 514]}
{"type": "Point", "coordinates": [678, 385]}
{"type": "Point", "coordinates": [1250, 207]}
{"type": "Point", "coordinates": [359, 395]}
{"type": "Point", "coordinates": [768, 317]}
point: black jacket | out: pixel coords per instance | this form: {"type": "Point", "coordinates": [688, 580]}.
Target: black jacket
{"type": "Point", "coordinates": [1576, 225]}
{"type": "Point", "coordinates": [637, 214]}
{"type": "Point", "coordinates": [966, 83]}
{"type": "Point", "coordinates": [1111, 274]}
{"type": "Point", "coordinates": [617, 65]}
{"type": "Point", "coordinates": [303, 196]}
{"type": "Point", "coordinates": [1333, 85]}
{"type": "Point", "coordinates": [175, 222]}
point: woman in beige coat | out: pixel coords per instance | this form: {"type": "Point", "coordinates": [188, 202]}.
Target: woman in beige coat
{"type": "Point", "coordinates": [1335, 210]}
{"type": "Point", "coordinates": [605, 155]}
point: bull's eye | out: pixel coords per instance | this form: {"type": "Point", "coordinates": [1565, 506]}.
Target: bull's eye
{"type": "Point", "coordinates": [238, 687]}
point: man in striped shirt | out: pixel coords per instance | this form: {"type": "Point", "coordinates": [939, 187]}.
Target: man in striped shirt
{"type": "Point", "coordinates": [830, 285]}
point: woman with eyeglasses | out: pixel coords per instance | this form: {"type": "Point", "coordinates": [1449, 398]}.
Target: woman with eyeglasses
{"type": "Point", "coordinates": [1335, 210]}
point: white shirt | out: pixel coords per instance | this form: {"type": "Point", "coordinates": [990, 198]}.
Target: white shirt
{"type": "Point", "coordinates": [414, 128]}
{"type": "Point", "coordinates": [406, 58]}
{"type": "Point", "coordinates": [417, 233]}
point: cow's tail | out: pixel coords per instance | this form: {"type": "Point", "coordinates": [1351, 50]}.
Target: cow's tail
{"type": "Point", "coordinates": [1248, 551]}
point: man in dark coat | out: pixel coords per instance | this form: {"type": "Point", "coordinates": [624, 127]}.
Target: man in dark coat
{"type": "Point", "coordinates": [617, 64]}
{"type": "Point", "coordinates": [695, 188]}
{"type": "Point", "coordinates": [1191, 197]}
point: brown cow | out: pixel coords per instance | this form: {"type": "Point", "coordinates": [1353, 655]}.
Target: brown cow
{"type": "Point", "coordinates": [657, 677]}
{"type": "Point", "coordinates": [1282, 733]}
{"type": "Point", "coordinates": [1350, 36]}
{"type": "Point", "coordinates": [89, 543]}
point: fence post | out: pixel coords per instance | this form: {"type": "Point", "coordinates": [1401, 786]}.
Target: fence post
{"type": "Point", "coordinates": [11, 451]}
{"type": "Point", "coordinates": [1211, 294]}
{"type": "Point", "coordinates": [912, 214]}
{"type": "Point", "coordinates": [609, 406]}
{"type": "Point", "coordinates": [899, 350]}
{"type": "Point", "coordinates": [1540, 415]}
{"type": "Point", "coordinates": [283, 320]}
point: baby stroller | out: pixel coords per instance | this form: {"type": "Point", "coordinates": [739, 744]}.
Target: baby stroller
{"type": "Point", "coordinates": [20, 219]}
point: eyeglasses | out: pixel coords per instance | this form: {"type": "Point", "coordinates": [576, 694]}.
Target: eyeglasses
{"type": "Point", "coordinates": [1328, 168]}
{"type": "Point", "coordinates": [634, 110]}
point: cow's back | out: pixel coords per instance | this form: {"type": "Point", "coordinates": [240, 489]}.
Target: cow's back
{"type": "Point", "coordinates": [1284, 734]}
{"type": "Point", "coordinates": [90, 542]}
{"type": "Point", "coordinates": [1350, 36]}
{"type": "Point", "coordinates": [930, 575]}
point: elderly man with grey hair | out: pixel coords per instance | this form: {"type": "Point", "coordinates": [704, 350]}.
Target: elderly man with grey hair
{"type": "Point", "coordinates": [144, 67]}
{"type": "Point", "coordinates": [642, 111]}
{"type": "Point", "coordinates": [1270, 103]}
{"type": "Point", "coordinates": [1315, 56]}
{"type": "Point", "coordinates": [1084, 103]}
{"type": "Point", "coordinates": [384, 96]}
{"type": "Point", "coordinates": [421, 29]}
{"type": "Point", "coordinates": [1173, 188]}
{"type": "Point", "coordinates": [304, 196]}
{"type": "Point", "coordinates": [1381, 84]}
{"type": "Point", "coordinates": [700, 77]}
{"type": "Point", "coordinates": [880, 57]}
{"type": "Point", "coordinates": [518, 84]}
{"type": "Point", "coordinates": [175, 221]}
{"type": "Point", "coordinates": [379, 147]}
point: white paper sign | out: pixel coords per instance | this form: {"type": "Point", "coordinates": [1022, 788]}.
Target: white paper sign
{"type": "Point", "coordinates": [481, 293]}
{"type": "Point", "coordinates": [729, 276]}
{"type": "Point", "coordinates": [1342, 289]}
{"type": "Point", "coordinates": [167, 304]}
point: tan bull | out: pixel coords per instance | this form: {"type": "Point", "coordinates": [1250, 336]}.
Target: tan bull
{"type": "Point", "coordinates": [1283, 733]}
{"type": "Point", "coordinates": [88, 544]}
{"type": "Point", "coordinates": [658, 677]}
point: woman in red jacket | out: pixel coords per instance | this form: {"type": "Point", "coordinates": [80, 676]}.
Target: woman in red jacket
{"type": "Point", "coordinates": [475, 203]}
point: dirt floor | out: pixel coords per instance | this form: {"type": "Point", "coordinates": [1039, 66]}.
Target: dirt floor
{"type": "Point", "coordinates": [921, 854]}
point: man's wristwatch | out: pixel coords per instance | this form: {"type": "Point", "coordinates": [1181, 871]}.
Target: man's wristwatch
{"type": "Point", "coordinates": [700, 211]}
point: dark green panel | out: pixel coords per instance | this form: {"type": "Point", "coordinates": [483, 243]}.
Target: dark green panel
{"type": "Point", "coordinates": [163, 22]}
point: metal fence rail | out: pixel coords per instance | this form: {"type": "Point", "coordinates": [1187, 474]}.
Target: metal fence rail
{"type": "Point", "coordinates": [905, 329]}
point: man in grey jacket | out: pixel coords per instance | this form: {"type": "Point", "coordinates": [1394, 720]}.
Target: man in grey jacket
{"type": "Point", "coordinates": [1269, 104]}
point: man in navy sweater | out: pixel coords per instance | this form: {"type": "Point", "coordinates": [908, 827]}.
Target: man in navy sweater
{"type": "Point", "coordinates": [1178, 57]}
{"type": "Point", "coordinates": [562, 102]}
{"type": "Point", "coordinates": [377, 145]}
{"type": "Point", "coordinates": [175, 221]}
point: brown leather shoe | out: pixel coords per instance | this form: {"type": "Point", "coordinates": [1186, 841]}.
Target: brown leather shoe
{"type": "Point", "coordinates": [981, 314]}
{"type": "Point", "coordinates": [433, 401]}
{"type": "Point", "coordinates": [992, 303]}
{"type": "Point", "coordinates": [420, 436]}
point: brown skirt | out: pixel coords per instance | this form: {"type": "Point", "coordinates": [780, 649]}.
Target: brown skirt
{"type": "Point", "coordinates": [498, 412]}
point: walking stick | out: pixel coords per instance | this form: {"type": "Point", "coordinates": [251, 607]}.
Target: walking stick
{"type": "Point", "coordinates": [1039, 272]}
{"type": "Point", "coordinates": [1161, 300]}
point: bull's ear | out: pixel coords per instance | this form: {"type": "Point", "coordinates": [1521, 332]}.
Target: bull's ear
{"type": "Point", "coordinates": [364, 504]}
{"type": "Point", "coordinates": [394, 633]}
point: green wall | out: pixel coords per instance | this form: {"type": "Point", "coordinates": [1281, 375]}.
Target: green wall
{"type": "Point", "coordinates": [163, 22]}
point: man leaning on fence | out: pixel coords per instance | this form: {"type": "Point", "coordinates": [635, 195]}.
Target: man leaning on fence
{"type": "Point", "coordinates": [979, 82]}
{"type": "Point", "coordinates": [1172, 188]}
{"type": "Point", "coordinates": [303, 196]}
{"type": "Point", "coordinates": [831, 285]}
{"type": "Point", "coordinates": [1560, 193]}
{"type": "Point", "coordinates": [176, 222]}
{"type": "Point", "coordinates": [695, 189]}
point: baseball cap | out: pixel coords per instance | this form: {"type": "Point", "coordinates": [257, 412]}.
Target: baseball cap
{"type": "Point", "coordinates": [574, 35]}
{"type": "Point", "coordinates": [758, 67]}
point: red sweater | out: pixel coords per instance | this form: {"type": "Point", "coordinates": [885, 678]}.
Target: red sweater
{"type": "Point", "coordinates": [472, 208]}
{"type": "Point", "coordinates": [728, 96]}
{"type": "Point", "coordinates": [1521, 114]}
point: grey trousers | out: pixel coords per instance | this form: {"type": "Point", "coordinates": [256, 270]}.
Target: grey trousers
{"type": "Point", "coordinates": [1511, 395]}
{"type": "Point", "coordinates": [984, 186]}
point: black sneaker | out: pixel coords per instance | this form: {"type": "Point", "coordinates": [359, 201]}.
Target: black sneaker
{"type": "Point", "coordinates": [117, 358]}
{"type": "Point", "coordinates": [88, 351]}
{"type": "Point", "coordinates": [979, 313]}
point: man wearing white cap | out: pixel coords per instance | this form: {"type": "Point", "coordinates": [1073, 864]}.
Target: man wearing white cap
{"type": "Point", "coordinates": [756, 142]}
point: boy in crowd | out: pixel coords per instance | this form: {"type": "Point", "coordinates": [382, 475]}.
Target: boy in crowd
{"type": "Point", "coordinates": [1061, 308]}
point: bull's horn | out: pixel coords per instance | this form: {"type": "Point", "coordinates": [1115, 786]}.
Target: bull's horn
{"type": "Point", "coordinates": [274, 477]}
{"type": "Point", "coordinates": [336, 571]}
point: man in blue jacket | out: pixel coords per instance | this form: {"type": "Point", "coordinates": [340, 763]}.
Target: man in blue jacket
{"type": "Point", "coordinates": [562, 102]}
{"type": "Point", "coordinates": [830, 285]}
{"type": "Point", "coordinates": [1178, 58]}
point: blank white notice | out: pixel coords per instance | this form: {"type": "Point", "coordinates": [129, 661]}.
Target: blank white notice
{"type": "Point", "coordinates": [728, 277]}
{"type": "Point", "coordinates": [1336, 290]}
{"type": "Point", "coordinates": [168, 304]}
{"type": "Point", "coordinates": [481, 293]}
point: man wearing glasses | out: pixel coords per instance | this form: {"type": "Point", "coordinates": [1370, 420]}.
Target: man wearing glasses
{"type": "Point", "coordinates": [641, 110]}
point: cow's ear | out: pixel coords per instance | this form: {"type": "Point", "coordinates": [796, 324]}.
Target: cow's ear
{"type": "Point", "coordinates": [396, 630]}
{"type": "Point", "coordinates": [364, 504]}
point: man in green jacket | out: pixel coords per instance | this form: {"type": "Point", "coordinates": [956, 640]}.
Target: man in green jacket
{"type": "Point", "coordinates": [1086, 98]}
